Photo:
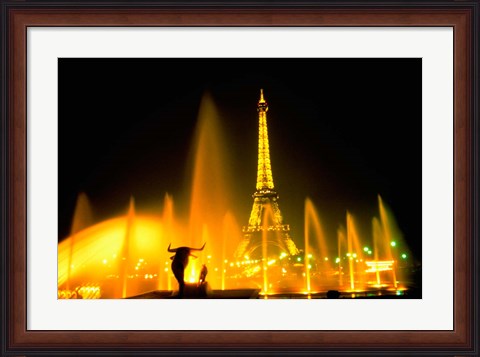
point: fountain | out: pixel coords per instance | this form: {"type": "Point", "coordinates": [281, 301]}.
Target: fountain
{"type": "Point", "coordinates": [82, 218]}
{"type": "Point", "coordinates": [321, 255]}
{"type": "Point", "coordinates": [127, 255]}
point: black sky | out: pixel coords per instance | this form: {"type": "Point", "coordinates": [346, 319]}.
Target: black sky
{"type": "Point", "coordinates": [341, 131]}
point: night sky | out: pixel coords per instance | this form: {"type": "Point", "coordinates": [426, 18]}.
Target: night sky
{"type": "Point", "coordinates": [341, 131]}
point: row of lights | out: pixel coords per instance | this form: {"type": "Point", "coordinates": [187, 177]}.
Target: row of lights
{"type": "Point", "coordinates": [247, 261]}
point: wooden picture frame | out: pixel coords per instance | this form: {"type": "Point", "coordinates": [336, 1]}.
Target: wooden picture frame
{"type": "Point", "coordinates": [18, 16]}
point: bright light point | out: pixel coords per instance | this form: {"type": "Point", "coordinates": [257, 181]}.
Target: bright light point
{"type": "Point", "coordinates": [404, 256]}
{"type": "Point", "coordinates": [337, 260]}
{"type": "Point", "coordinates": [136, 268]}
{"type": "Point", "coordinates": [348, 254]}
{"type": "Point", "coordinates": [209, 257]}
{"type": "Point", "coordinates": [216, 269]}
{"type": "Point", "coordinates": [374, 266]}
{"type": "Point", "coordinates": [326, 259]}
{"type": "Point", "coordinates": [370, 252]}
{"type": "Point", "coordinates": [393, 244]}
{"type": "Point", "coordinates": [309, 266]}
{"type": "Point", "coordinates": [354, 255]}
{"type": "Point", "coordinates": [309, 255]}
{"type": "Point", "coordinates": [299, 259]}
{"type": "Point", "coordinates": [140, 260]}
{"type": "Point", "coordinates": [365, 249]}
{"type": "Point", "coordinates": [105, 261]}
{"type": "Point", "coordinates": [166, 269]}
{"type": "Point", "coordinates": [225, 261]}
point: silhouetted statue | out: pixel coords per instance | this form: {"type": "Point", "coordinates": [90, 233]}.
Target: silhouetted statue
{"type": "Point", "coordinates": [203, 275]}
{"type": "Point", "coordinates": [180, 262]}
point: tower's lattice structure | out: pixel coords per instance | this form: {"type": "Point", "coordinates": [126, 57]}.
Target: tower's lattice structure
{"type": "Point", "coordinates": [265, 214]}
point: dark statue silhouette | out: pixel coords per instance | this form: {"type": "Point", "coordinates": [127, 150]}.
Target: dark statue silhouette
{"type": "Point", "coordinates": [180, 262]}
{"type": "Point", "coordinates": [203, 275]}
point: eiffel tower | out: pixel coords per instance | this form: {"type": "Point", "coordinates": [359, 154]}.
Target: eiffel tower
{"type": "Point", "coordinates": [265, 213]}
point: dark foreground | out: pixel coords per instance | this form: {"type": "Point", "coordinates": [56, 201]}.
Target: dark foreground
{"type": "Point", "coordinates": [212, 294]}
{"type": "Point", "coordinates": [255, 294]}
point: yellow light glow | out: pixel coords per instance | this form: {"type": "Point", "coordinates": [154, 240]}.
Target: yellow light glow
{"type": "Point", "coordinates": [374, 266]}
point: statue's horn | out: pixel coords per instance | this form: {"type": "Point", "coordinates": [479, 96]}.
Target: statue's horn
{"type": "Point", "coordinates": [203, 246]}
{"type": "Point", "coordinates": [171, 250]}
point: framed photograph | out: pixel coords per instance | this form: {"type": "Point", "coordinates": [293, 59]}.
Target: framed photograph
{"type": "Point", "coordinates": [203, 129]}
{"type": "Point", "coordinates": [232, 177]}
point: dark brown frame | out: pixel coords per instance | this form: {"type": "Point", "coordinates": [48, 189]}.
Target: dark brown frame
{"type": "Point", "coordinates": [463, 16]}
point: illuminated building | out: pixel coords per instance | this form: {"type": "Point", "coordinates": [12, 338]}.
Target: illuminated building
{"type": "Point", "coordinates": [265, 214]}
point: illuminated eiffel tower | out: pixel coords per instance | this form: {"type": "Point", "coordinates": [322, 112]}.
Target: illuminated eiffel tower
{"type": "Point", "coordinates": [265, 213]}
